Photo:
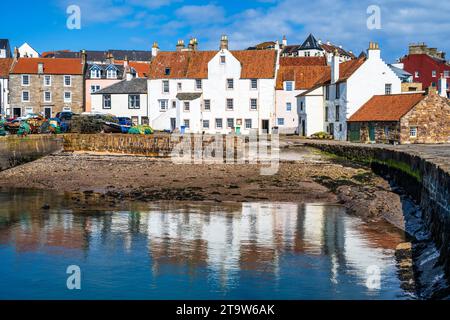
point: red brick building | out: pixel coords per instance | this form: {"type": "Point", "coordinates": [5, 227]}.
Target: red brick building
{"type": "Point", "coordinates": [427, 65]}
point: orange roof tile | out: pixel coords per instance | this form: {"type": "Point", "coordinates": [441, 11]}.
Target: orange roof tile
{"type": "Point", "coordinates": [303, 61]}
{"type": "Point", "coordinates": [387, 107]}
{"type": "Point", "coordinates": [141, 68]}
{"type": "Point", "coordinates": [5, 65]}
{"type": "Point", "coordinates": [305, 77]}
{"type": "Point", "coordinates": [258, 64]}
{"type": "Point", "coordinates": [51, 66]}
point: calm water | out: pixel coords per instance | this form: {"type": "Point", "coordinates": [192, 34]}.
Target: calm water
{"type": "Point", "coordinates": [169, 251]}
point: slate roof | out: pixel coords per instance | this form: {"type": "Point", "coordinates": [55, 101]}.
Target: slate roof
{"type": "Point", "coordinates": [387, 107]}
{"type": "Point", "coordinates": [51, 66]}
{"type": "Point", "coordinates": [310, 44]}
{"type": "Point", "coordinates": [256, 64]}
{"type": "Point", "coordinates": [93, 55]}
{"type": "Point", "coordinates": [188, 96]}
{"type": "Point", "coordinates": [134, 86]}
{"type": "Point", "coordinates": [292, 49]}
{"type": "Point", "coordinates": [402, 74]}
{"type": "Point", "coordinates": [5, 65]}
{"type": "Point", "coordinates": [4, 44]}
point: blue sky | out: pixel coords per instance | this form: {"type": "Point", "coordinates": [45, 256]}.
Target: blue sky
{"type": "Point", "coordinates": [135, 24]}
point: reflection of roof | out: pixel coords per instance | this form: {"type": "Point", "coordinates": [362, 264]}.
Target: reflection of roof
{"type": "Point", "coordinates": [188, 96]}
{"type": "Point", "coordinates": [387, 107]}
{"type": "Point", "coordinates": [51, 66]}
{"type": "Point", "coordinates": [134, 86]}
{"type": "Point", "coordinates": [258, 64]}
{"type": "Point", "coordinates": [5, 65]}
{"type": "Point", "coordinates": [305, 77]}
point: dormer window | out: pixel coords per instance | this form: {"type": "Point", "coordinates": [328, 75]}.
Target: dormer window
{"type": "Point", "coordinates": [111, 74]}
{"type": "Point", "coordinates": [223, 59]}
{"type": "Point", "coordinates": [96, 74]}
{"type": "Point", "coordinates": [167, 72]}
{"type": "Point", "coordinates": [289, 85]}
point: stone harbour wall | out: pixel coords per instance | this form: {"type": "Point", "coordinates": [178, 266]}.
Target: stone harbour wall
{"type": "Point", "coordinates": [15, 150]}
{"type": "Point", "coordinates": [425, 175]}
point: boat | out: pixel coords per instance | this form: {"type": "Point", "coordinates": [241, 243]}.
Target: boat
{"type": "Point", "coordinates": [111, 127]}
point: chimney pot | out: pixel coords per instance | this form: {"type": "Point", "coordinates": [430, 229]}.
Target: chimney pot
{"type": "Point", "coordinates": [224, 42]}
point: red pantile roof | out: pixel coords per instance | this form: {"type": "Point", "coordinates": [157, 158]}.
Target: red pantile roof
{"type": "Point", "coordinates": [387, 108]}
{"type": "Point", "coordinates": [305, 77]}
{"type": "Point", "coordinates": [51, 66]}
{"type": "Point", "coordinates": [256, 64]}
{"type": "Point", "coordinates": [303, 61]}
{"type": "Point", "coordinates": [5, 65]}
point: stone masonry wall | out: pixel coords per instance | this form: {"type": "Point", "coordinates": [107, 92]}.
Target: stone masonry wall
{"type": "Point", "coordinates": [16, 150]}
{"type": "Point", "coordinates": [413, 172]}
{"type": "Point", "coordinates": [432, 119]}
{"type": "Point", "coordinates": [37, 89]}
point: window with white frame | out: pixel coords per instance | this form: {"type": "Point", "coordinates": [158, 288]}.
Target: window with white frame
{"type": "Point", "coordinates": [95, 88]}
{"type": "Point", "coordinates": [223, 59]}
{"type": "Point", "coordinates": [230, 84]}
{"type": "Point", "coordinates": [165, 87]}
{"type": "Point", "coordinates": [111, 74]}
{"type": "Point", "coordinates": [198, 84]}
{"type": "Point", "coordinates": [230, 123]}
{"type": "Point", "coordinates": [254, 84]}
{"type": "Point", "coordinates": [205, 124]}
{"type": "Point", "coordinates": [326, 114]}
{"type": "Point", "coordinates": [179, 86]}
{"type": "Point", "coordinates": [187, 123]}
{"type": "Point", "coordinates": [288, 106]}
{"type": "Point", "coordinates": [174, 104]}
{"type": "Point", "coordinates": [230, 104]}
{"type": "Point", "coordinates": [289, 86]}
{"type": "Point", "coordinates": [25, 96]}
{"type": "Point", "coordinates": [47, 96]}
{"type": "Point", "coordinates": [447, 73]}
{"type": "Point", "coordinates": [207, 105]}
{"type": "Point", "coordinates": [388, 89]}
{"type": "Point", "coordinates": [338, 90]}
{"type": "Point", "coordinates": [47, 81]}
{"type": "Point", "coordinates": [327, 93]}
{"type": "Point", "coordinates": [281, 121]}
{"type": "Point", "coordinates": [302, 106]}
{"type": "Point", "coordinates": [413, 132]}
{"type": "Point", "coordinates": [219, 123]}
{"type": "Point", "coordinates": [107, 101]}
{"type": "Point", "coordinates": [134, 101]}
{"type": "Point", "coordinates": [67, 81]}
{"type": "Point", "coordinates": [253, 104]}
{"type": "Point", "coordinates": [67, 96]}
{"type": "Point", "coordinates": [433, 73]}
{"type": "Point", "coordinates": [338, 114]}
{"type": "Point", "coordinates": [96, 74]}
{"type": "Point", "coordinates": [187, 106]}
{"type": "Point", "coordinates": [25, 80]}
{"type": "Point", "coordinates": [163, 105]}
{"type": "Point", "coordinates": [248, 124]}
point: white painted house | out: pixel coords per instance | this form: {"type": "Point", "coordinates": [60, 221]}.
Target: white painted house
{"type": "Point", "coordinates": [5, 65]}
{"type": "Point", "coordinates": [27, 51]}
{"type": "Point", "coordinates": [212, 91]}
{"type": "Point", "coordinates": [127, 98]}
{"type": "Point", "coordinates": [346, 88]}
{"type": "Point", "coordinates": [295, 75]}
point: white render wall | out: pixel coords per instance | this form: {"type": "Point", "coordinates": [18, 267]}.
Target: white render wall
{"type": "Point", "coordinates": [27, 50]}
{"type": "Point", "coordinates": [215, 90]}
{"type": "Point", "coordinates": [119, 106]}
{"type": "Point", "coordinates": [369, 80]}
{"type": "Point", "coordinates": [313, 112]}
{"type": "Point", "coordinates": [4, 92]}
{"type": "Point", "coordinates": [291, 123]}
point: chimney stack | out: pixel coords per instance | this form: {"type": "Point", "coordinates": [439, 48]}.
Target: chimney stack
{"type": "Point", "coordinates": [110, 58]}
{"type": "Point", "coordinates": [224, 42]}
{"type": "Point", "coordinates": [16, 53]}
{"type": "Point", "coordinates": [155, 49]}
{"type": "Point", "coordinates": [191, 44]}
{"type": "Point", "coordinates": [374, 51]}
{"type": "Point", "coordinates": [443, 86]}
{"type": "Point", "coordinates": [40, 68]}
{"type": "Point", "coordinates": [285, 42]}
{"type": "Point", "coordinates": [180, 45]}
{"type": "Point", "coordinates": [335, 67]}
{"type": "Point", "coordinates": [126, 62]}
{"type": "Point", "coordinates": [83, 57]}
